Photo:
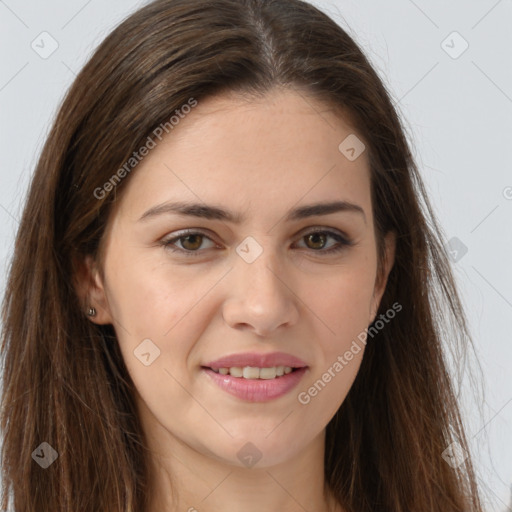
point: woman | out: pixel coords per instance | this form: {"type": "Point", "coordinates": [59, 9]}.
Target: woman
{"type": "Point", "coordinates": [225, 282]}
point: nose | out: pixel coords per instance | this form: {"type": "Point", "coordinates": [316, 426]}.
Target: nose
{"type": "Point", "coordinates": [260, 297]}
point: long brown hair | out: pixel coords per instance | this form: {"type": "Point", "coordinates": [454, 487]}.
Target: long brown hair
{"type": "Point", "coordinates": [64, 379]}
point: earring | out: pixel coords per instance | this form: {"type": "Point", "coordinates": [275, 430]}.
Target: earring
{"type": "Point", "coordinates": [91, 311]}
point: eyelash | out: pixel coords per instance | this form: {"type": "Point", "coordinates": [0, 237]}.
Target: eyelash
{"type": "Point", "coordinates": [343, 242]}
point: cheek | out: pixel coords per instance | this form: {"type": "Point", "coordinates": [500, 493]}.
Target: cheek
{"type": "Point", "coordinates": [168, 304]}
{"type": "Point", "coordinates": [148, 299]}
{"type": "Point", "coordinates": [344, 302]}
{"type": "Point", "coordinates": [155, 311]}
{"type": "Point", "coordinates": [344, 308]}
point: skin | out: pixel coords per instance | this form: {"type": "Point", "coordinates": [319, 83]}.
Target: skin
{"type": "Point", "coordinates": [260, 158]}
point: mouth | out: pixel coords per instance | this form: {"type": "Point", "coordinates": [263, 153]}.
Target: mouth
{"type": "Point", "coordinates": [254, 384]}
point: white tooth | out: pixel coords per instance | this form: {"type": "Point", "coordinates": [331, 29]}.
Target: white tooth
{"type": "Point", "coordinates": [236, 371]}
{"type": "Point", "coordinates": [251, 372]}
{"type": "Point", "coordinates": [268, 373]}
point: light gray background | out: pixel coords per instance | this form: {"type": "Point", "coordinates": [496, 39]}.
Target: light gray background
{"type": "Point", "coordinates": [458, 112]}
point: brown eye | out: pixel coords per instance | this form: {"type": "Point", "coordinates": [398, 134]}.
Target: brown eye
{"type": "Point", "coordinates": [188, 243]}
{"type": "Point", "coordinates": [317, 240]}
{"type": "Point", "coordinates": [191, 242]}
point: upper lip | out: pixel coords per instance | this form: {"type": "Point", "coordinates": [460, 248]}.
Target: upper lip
{"type": "Point", "coordinates": [257, 360]}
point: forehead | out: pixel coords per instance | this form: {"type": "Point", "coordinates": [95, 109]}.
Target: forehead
{"type": "Point", "coordinates": [261, 154]}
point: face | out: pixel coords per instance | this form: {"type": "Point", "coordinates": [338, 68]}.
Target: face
{"type": "Point", "coordinates": [267, 275]}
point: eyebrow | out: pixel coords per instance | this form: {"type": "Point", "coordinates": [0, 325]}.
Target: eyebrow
{"type": "Point", "coordinates": [212, 212]}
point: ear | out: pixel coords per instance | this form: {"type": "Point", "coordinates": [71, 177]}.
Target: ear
{"type": "Point", "coordinates": [382, 277]}
{"type": "Point", "coordinates": [90, 289]}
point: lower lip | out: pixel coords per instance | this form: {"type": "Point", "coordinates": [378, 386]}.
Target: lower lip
{"type": "Point", "coordinates": [256, 390]}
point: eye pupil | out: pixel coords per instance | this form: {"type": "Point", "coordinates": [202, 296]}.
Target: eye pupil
{"type": "Point", "coordinates": [315, 236]}
{"type": "Point", "coordinates": [188, 237]}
